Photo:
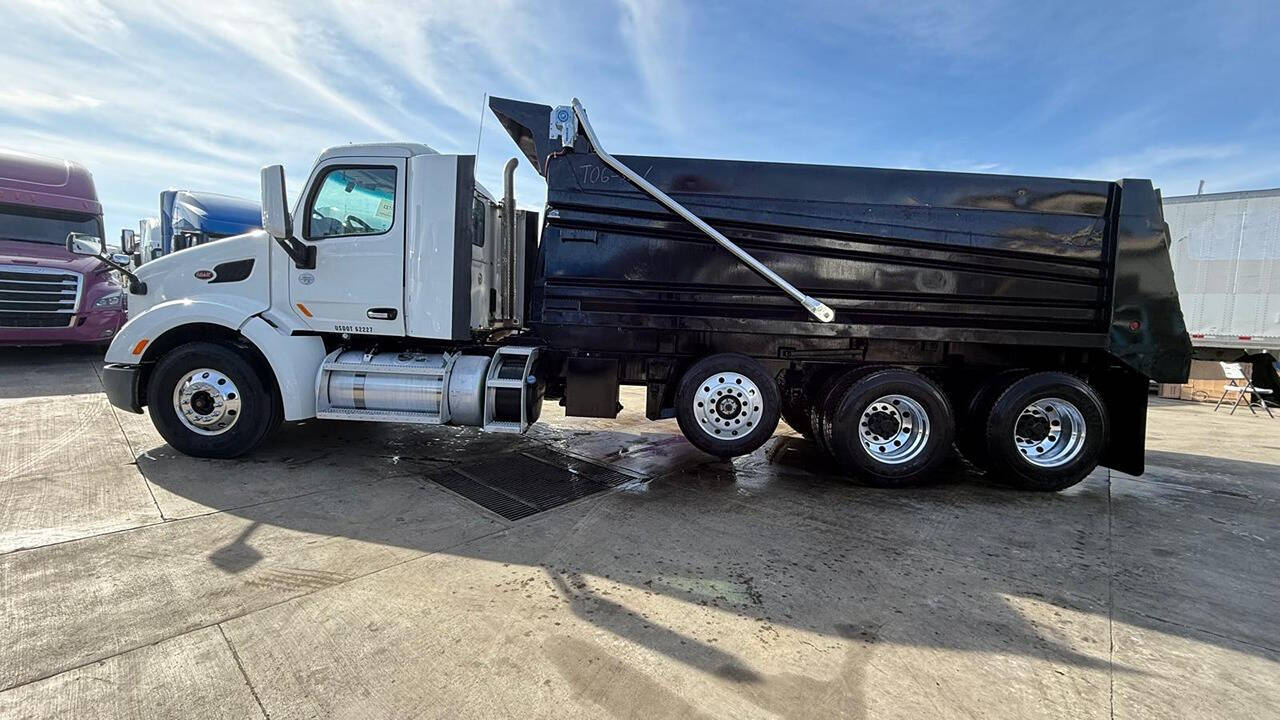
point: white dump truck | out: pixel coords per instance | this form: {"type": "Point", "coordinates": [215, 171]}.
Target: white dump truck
{"type": "Point", "coordinates": [883, 313]}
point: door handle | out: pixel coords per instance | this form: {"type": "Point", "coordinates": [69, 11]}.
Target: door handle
{"type": "Point", "coordinates": [381, 314]}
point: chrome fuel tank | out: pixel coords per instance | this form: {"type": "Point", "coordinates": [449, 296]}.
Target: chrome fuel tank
{"type": "Point", "coordinates": [449, 388]}
{"type": "Point", "coordinates": [497, 392]}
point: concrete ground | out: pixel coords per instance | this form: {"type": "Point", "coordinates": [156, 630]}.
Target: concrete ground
{"type": "Point", "coordinates": [326, 576]}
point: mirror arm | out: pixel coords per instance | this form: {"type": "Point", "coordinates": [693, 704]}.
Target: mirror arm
{"type": "Point", "coordinates": [136, 286]}
{"type": "Point", "coordinates": [303, 255]}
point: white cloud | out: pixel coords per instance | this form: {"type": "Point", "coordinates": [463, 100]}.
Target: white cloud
{"type": "Point", "coordinates": [200, 94]}
{"type": "Point", "coordinates": [19, 98]}
{"type": "Point", "coordinates": [89, 21]}
{"type": "Point", "coordinates": [1178, 169]}
{"type": "Point", "coordinates": [944, 26]}
{"type": "Point", "coordinates": [655, 32]}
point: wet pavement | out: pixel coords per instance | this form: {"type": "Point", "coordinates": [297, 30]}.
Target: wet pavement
{"type": "Point", "coordinates": [328, 575]}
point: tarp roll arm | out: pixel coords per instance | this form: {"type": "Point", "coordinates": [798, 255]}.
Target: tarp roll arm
{"type": "Point", "coordinates": [815, 307]}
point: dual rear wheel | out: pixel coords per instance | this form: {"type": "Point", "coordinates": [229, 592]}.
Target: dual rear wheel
{"type": "Point", "coordinates": [1044, 431]}
{"type": "Point", "coordinates": [893, 427]}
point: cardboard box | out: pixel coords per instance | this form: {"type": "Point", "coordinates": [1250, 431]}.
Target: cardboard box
{"type": "Point", "coordinates": [1205, 383]}
{"type": "Point", "coordinates": [1203, 390]}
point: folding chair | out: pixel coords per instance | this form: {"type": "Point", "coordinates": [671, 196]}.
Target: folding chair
{"type": "Point", "coordinates": [1241, 386]}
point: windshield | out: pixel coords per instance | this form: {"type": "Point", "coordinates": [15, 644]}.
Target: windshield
{"type": "Point", "coordinates": [43, 226]}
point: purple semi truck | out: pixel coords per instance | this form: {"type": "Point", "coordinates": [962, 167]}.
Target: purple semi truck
{"type": "Point", "coordinates": [49, 296]}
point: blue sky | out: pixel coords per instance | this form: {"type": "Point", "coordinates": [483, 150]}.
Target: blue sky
{"type": "Point", "coordinates": [200, 95]}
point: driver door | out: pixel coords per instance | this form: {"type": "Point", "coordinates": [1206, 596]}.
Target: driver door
{"type": "Point", "coordinates": [354, 214]}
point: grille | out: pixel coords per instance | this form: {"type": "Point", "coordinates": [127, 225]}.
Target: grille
{"type": "Point", "coordinates": [519, 484]}
{"type": "Point", "coordinates": [32, 320]}
{"type": "Point", "coordinates": [32, 297]}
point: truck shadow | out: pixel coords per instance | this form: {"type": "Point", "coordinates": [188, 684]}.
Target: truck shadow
{"type": "Point", "coordinates": [32, 372]}
{"type": "Point", "coordinates": [773, 540]}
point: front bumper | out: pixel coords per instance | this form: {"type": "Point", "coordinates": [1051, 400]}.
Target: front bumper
{"type": "Point", "coordinates": [123, 384]}
{"type": "Point", "coordinates": [97, 327]}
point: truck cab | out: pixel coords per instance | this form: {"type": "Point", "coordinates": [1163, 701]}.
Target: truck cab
{"type": "Point", "coordinates": [380, 296]}
{"type": "Point", "coordinates": [189, 218]}
{"type": "Point", "coordinates": [147, 244]}
{"type": "Point", "coordinates": [48, 295]}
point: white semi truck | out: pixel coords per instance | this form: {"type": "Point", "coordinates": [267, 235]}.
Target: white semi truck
{"type": "Point", "coordinates": [1019, 317]}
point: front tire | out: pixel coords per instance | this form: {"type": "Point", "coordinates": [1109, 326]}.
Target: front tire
{"type": "Point", "coordinates": [892, 428]}
{"type": "Point", "coordinates": [1046, 432]}
{"type": "Point", "coordinates": [727, 405]}
{"type": "Point", "coordinates": [209, 400]}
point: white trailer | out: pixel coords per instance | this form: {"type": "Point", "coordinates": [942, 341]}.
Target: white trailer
{"type": "Point", "coordinates": [1226, 263]}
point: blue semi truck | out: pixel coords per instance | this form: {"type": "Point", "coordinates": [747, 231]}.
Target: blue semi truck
{"type": "Point", "coordinates": [189, 218]}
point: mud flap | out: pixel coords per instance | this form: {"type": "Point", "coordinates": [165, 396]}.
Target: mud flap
{"type": "Point", "coordinates": [1125, 394]}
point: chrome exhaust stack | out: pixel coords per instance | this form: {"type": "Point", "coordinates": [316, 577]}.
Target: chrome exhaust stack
{"type": "Point", "coordinates": [509, 242]}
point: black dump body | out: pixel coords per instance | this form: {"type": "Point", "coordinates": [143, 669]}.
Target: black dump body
{"type": "Point", "coordinates": [982, 261]}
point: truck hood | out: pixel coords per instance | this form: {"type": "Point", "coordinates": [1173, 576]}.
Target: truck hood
{"type": "Point", "coordinates": [174, 276]}
{"type": "Point", "coordinates": [13, 252]}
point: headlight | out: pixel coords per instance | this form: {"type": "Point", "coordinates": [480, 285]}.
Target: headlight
{"type": "Point", "coordinates": [112, 300]}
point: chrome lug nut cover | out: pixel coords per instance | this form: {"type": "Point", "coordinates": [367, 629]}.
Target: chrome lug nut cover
{"type": "Point", "coordinates": [1049, 432]}
{"type": "Point", "coordinates": [727, 405]}
{"type": "Point", "coordinates": [894, 429]}
{"type": "Point", "coordinates": [207, 401]}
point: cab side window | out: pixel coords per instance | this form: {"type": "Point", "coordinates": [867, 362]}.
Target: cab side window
{"type": "Point", "coordinates": [352, 201]}
{"type": "Point", "coordinates": [477, 222]}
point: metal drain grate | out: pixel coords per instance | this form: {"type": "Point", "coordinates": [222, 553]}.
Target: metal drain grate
{"type": "Point", "coordinates": [518, 484]}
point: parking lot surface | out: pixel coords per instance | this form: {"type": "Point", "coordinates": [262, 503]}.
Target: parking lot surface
{"type": "Point", "coordinates": [329, 575]}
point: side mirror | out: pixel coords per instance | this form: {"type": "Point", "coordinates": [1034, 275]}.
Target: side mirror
{"type": "Point", "coordinates": [85, 244]}
{"type": "Point", "coordinates": [276, 220]}
{"type": "Point", "coordinates": [128, 241]}
{"type": "Point", "coordinates": [275, 212]}
{"type": "Point", "coordinates": [92, 245]}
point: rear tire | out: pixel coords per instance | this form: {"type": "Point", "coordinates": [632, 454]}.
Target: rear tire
{"type": "Point", "coordinates": [1046, 432]}
{"type": "Point", "coordinates": [795, 413]}
{"type": "Point", "coordinates": [825, 401]}
{"type": "Point", "coordinates": [727, 405]}
{"type": "Point", "coordinates": [209, 400]}
{"type": "Point", "coordinates": [971, 428]}
{"type": "Point", "coordinates": [892, 428]}
{"type": "Point", "coordinates": [798, 402]}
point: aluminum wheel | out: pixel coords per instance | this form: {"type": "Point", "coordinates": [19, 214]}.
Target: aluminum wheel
{"type": "Point", "coordinates": [207, 402]}
{"type": "Point", "coordinates": [727, 405]}
{"type": "Point", "coordinates": [1049, 432]}
{"type": "Point", "coordinates": [894, 429]}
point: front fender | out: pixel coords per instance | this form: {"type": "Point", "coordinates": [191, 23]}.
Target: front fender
{"type": "Point", "coordinates": [295, 360]}
{"type": "Point", "coordinates": [228, 311]}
